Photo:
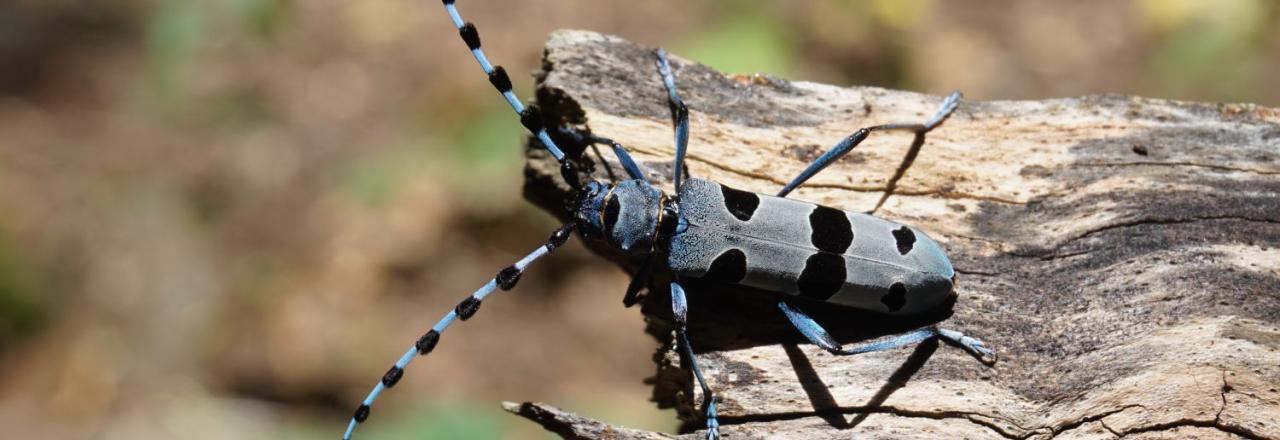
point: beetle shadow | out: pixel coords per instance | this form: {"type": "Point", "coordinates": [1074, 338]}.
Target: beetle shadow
{"type": "Point", "coordinates": [738, 318]}
{"type": "Point", "coordinates": [825, 405]}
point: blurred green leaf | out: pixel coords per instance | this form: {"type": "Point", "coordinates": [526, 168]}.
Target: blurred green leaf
{"type": "Point", "coordinates": [261, 18]}
{"type": "Point", "coordinates": [1190, 64]}
{"type": "Point", "coordinates": [456, 421]}
{"type": "Point", "coordinates": [374, 178]}
{"type": "Point", "coordinates": [24, 302]}
{"type": "Point", "coordinates": [747, 40]}
{"type": "Point", "coordinates": [1207, 50]}
{"type": "Point", "coordinates": [485, 152]}
{"type": "Point", "coordinates": [490, 138]}
{"type": "Point", "coordinates": [901, 14]}
{"type": "Point", "coordinates": [240, 110]}
{"type": "Point", "coordinates": [174, 33]}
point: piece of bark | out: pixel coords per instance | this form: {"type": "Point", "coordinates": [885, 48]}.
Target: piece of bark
{"type": "Point", "coordinates": [1121, 254]}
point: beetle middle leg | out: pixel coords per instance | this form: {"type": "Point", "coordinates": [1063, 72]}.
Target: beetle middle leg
{"type": "Point", "coordinates": [848, 143]}
{"type": "Point", "coordinates": [820, 337]}
{"type": "Point", "coordinates": [680, 309]}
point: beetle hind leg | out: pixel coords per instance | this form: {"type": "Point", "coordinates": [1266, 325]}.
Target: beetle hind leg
{"type": "Point", "coordinates": [820, 337]}
{"type": "Point", "coordinates": [972, 344]}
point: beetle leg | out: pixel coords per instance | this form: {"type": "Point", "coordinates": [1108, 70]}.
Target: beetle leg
{"type": "Point", "coordinates": [679, 118]}
{"type": "Point", "coordinates": [848, 143]}
{"type": "Point", "coordinates": [819, 336]}
{"type": "Point", "coordinates": [680, 309]}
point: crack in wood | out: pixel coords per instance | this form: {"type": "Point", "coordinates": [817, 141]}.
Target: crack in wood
{"type": "Point", "coordinates": [1178, 164]}
{"type": "Point", "coordinates": [1155, 221]}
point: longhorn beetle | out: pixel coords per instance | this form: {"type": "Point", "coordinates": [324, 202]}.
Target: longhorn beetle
{"type": "Point", "coordinates": [723, 235]}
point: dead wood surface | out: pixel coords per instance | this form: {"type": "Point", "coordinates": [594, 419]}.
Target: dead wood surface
{"type": "Point", "coordinates": [1122, 255]}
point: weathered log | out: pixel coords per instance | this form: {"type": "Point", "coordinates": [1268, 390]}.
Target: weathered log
{"type": "Point", "coordinates": [1122, 255]}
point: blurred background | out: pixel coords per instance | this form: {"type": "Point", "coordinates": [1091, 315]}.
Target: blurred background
{"type": "Point", "coordinates": [225, 219]}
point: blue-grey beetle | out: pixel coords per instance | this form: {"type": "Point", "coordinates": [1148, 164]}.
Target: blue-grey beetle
{"type": "Point", "coordinates": [715, 233]}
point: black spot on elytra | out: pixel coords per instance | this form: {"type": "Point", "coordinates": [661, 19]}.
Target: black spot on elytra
{"type": "Point", "coordinates": [822, 277]}
{"type": "Point", "coordinates": [832, 231]}
{"type": "Point", "coordinates": [740, 203]}
{"type": "Point", "coordinates": [729, 268]}
{"type": "Point", "coordinates": [906, 239]}
{"type": "Point", "coordinates": [896, 298]}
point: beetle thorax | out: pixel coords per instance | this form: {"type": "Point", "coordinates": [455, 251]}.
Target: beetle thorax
{"type": "Point", "coordinates": [626, 215]}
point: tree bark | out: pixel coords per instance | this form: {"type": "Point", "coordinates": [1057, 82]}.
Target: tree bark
{"type": "Point", "coordinates": [1121, 254]}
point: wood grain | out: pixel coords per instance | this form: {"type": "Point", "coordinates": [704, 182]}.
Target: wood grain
{"type": "Point", "coordinates": [1122, 255]}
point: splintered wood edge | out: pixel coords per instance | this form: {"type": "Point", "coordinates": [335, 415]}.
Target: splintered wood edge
{"type": "Point", "coordinates": [1119, 252]}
